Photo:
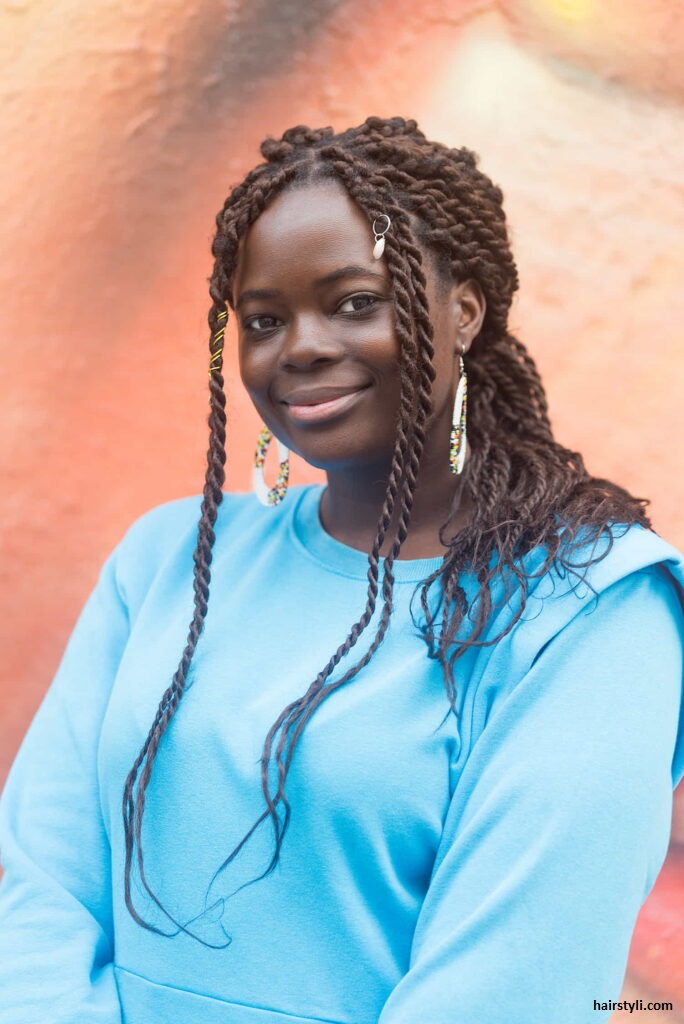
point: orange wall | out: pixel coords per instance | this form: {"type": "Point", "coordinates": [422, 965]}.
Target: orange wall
{"type": "Point", "coordinates": [124, 128]}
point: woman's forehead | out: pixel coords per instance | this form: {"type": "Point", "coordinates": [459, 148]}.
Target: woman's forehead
{"type": "Point", "coordinates": [306, 208]}
{"type": "Point", "coordinates": [318, 222]}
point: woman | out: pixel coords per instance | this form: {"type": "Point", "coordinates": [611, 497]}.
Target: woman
{"type": "Point", "coordinates": [390, 852]}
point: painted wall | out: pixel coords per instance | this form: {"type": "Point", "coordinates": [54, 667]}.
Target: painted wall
{"type": "Point", "coordinates": [124, 126]}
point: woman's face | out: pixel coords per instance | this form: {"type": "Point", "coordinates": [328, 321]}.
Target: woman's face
{"type": "Point", "coordinates": [317, 347]}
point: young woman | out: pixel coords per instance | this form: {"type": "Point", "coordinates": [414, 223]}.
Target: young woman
{"type": "Point", "coordinates": [416, 762]}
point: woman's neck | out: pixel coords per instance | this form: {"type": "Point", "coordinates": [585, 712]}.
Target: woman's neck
{"type": "Point", "coordinates": [351, 506]}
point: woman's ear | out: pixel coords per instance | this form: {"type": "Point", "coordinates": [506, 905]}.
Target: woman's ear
{"type": "Point", "coordinates": [469, 308]}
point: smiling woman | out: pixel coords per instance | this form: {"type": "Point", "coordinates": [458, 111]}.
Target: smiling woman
{"type": "Point", "coordinates": [320, 350]}
{"type": "Point", "coordinates": [322, 341]}
{"type": "Point", "coordinates": [440, 694]}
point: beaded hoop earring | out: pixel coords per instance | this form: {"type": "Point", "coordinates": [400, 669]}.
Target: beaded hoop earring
{"type": "Point", "coordinates": [275, 494]}
{"type": "Point", "coordinates": [458, 445]}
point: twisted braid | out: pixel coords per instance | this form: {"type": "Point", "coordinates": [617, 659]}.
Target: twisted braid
{"type": "Point", "coordinates": [134, 805]}
{"type": "Point", "coordinates": [522, 484]}
{"type": "Point", "coordinates": [133, 808]}
{"type": "Point", "coordinates": [408, 288]}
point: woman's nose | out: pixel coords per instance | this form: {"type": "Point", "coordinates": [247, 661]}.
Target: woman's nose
{"type": "Point", "coordinates": [309, 339]}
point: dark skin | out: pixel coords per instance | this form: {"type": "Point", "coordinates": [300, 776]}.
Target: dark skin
{"type": "Point", "coordinates": [338, 333]}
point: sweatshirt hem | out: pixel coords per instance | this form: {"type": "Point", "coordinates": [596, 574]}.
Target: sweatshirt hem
{"type": "Point", "coordinates": [143, 1000]}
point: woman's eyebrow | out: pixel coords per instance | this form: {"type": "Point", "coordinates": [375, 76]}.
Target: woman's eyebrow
{"type": "Point", "coordinates": [350, 271]}
{"type": "Point", "coordinates": [335, 275]}
{"type": "Point", "coordinates": [256, 293]}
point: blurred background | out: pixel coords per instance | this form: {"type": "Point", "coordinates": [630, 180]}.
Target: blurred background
{"type": "Point", "coordinates": [123, 127]}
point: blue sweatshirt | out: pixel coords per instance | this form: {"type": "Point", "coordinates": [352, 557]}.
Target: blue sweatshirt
{"type": "Point", "coordinates": [484, 869]}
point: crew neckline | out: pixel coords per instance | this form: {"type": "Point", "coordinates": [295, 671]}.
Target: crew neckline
{"type": "Point", "coordinates": [310, 535]}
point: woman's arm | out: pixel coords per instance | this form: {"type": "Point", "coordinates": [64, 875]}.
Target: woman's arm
{"type": "Point", "coordinates": [558, 825]}
{"type": "Point", "coordinates": [56, 941]}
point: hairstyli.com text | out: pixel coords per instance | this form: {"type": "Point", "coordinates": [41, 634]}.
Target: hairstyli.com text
{"type": "Point", "coordinates": [631, 1004]}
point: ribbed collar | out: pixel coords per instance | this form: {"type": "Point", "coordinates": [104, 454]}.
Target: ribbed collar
{"type": "Point", "coordinates": [309, 535]}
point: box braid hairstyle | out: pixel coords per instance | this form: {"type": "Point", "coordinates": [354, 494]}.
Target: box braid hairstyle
{"type": "Point", "coordinates": [521, 482]}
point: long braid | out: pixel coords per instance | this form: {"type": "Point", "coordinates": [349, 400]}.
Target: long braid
{"type": "Point", "coordinates": [410, 442]}
{"type": "Point", "coordinates": [407, 281]}
{"type": "Point", "coordinates": [518, 478]}
{"type": "Point", "coordinates": [230, 229]}
{"type": "Point", "coordinates": [133, 807]}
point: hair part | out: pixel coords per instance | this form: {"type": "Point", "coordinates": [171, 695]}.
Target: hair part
{"type": "Point", "coordinates": [527, 491]}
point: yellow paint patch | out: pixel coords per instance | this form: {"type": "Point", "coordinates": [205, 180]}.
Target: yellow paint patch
{"type": "Point", "coordinates": [571, 10]}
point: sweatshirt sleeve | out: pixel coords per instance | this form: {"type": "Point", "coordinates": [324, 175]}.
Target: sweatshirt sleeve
{"type": "Point", "coordinates": [558, 825]}
{"type": "Point", "coordinates": [56, 942]}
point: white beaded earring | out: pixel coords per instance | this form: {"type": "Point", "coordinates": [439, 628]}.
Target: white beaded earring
{"type": "Point", "coordinates": [275, 494]}
{"type": "Point", "coordinates": [458, 445]}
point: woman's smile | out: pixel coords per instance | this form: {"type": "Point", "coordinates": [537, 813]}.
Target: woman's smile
{"type": "Point", "coordinates": [316, 408]}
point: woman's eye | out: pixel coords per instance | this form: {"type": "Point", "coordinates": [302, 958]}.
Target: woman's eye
{"type": "Point", "coordinates": [359, 303]}
{"type": "Point", "coordinates": [260, 323]}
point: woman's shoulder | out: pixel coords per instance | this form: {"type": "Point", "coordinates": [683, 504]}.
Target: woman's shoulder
{"type": "Point", "coordinates": [591, 578]}
{"type": "Point", "coordinates": [163, 539]}
{"type": "Point", "coordinates": [160, 531]}
{"type": "Point", "coordinates": [624, 565]}
{"type": "Point", "coordinates": [624, 549]}
{"type": "Point", "coordinates": [588, 563]}
{"type": "Point", "coordinates": [583, 610]}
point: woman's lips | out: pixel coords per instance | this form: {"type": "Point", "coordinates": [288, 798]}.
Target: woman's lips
{"type": "Point", "coordinates": [324, 410]}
